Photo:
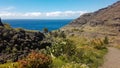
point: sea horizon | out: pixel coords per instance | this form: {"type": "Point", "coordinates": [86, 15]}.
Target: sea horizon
{"type": "Point", "coordinates": [34, 19]}
{"type": "Point", "coordinates": [37, 24]}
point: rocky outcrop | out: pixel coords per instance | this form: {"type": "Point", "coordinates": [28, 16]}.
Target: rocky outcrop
{"type": "Point", "coordinates": [17, 43]}
{"type": "Point", "coordinates": [1, 24]}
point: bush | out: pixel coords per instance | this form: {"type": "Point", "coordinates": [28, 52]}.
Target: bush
{"type": "Point", "coordinates": [35, 60]}
{"type": "Point", "coordinates": [61, 47]}
{"type": "Point", "coordinates": [9, 65]}
{"type": "Point", "coordinates": [106, 41]}
{"type": "Point", "coordinates": [75, 65]}
{"type": "Point", "coordinates": [45, 30]}
{"type": "Point", "coordinates": [57, 63]}
{"type": "Point", "coordinates": [81, 51]}
{"type": "Point", "coordinates": [7, 26]}
{"type": "Point", "coordinates": [98, 43]}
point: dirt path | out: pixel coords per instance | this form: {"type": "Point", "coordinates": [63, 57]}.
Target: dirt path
{"type": "Point", "coordinates": [112, 59]}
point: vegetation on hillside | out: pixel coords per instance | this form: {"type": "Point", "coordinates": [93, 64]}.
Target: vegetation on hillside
{"type": "Point", "coordinates": [25, 49]}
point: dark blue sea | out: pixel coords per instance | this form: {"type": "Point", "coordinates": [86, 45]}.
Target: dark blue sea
{"type": "Point", "coordinates": [37, 24]}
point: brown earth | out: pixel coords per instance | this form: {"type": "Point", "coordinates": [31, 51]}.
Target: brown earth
{"type": "Point", "coordinates": [112, 58]}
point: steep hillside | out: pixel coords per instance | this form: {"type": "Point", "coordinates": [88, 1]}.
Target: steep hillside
{"type": "Point", "coordinates": [104, 22]}
{"type": "Point", "coordinates": [100, 17]}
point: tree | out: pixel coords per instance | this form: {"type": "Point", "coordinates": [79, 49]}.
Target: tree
{"type": "Point", "coordinates": [45, 30]}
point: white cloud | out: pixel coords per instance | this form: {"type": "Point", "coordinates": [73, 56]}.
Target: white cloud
{"type": "Point", "coordinates": [7, 8]}
{"type": "Point", "coordinates": [71, 13]}
{"type": "Point", "coordinates": [56, 14]}
{"type": "Point", "coordinates": [5, 14]}
{"type": "Point", "coordinates": [65, 13]}
{"type": "Point", "coordinates": [31, 14]}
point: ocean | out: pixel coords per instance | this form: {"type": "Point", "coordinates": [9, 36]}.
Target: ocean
{"type": "Point", "coordinates": [37, 24]}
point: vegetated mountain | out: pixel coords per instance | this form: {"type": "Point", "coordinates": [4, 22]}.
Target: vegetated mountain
{"type": "Point", "coordinates": [104, 22]}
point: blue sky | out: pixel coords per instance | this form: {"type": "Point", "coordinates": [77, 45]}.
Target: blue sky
{"type": "Point", "coordinates": [49, 9]}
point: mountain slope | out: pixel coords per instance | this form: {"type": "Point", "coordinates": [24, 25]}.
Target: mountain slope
{"type": "Point", "coordinates": [104, 22]}
{"type": "Point", "coordinates": [101, 16]}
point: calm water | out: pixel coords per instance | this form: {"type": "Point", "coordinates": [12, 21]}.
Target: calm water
{"type": "Point", "coordinates": [37, 24]}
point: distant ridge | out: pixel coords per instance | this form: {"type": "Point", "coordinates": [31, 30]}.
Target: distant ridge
{"type": "Point", "coordinates": [100, 17]}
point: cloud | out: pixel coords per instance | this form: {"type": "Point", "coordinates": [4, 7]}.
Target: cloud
{"type": "Point", "coordinates": [5, 14]}
{"type": "Point", "coordinates": [33, 14]}
{"type": "Point", "coordinates": [70, 13]}
{"type": "Point", "coordinates": [56, 14]}
{"type": "Point", "coordinates": [64, 13]}
{"type": "Point", "coordinates": [7, 8]}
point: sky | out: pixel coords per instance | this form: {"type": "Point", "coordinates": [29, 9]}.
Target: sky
{"type": "Point", "coordinates": [49, 9]}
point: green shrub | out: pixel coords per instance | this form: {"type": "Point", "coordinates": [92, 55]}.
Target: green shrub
{"type": "Point", "coordinates": [7, 26]}
{"type": "Point", "coordinates": [57, 63]}
{"type": "Point", "coordinates": [106, 41]}
{"type": "Point", "coordinates": [89, 56]}
{"type": "Point", "coordinates": [55, 34]}
{"type": "Point", "coordinates": [78, 50]}
{"type": "Point", "coordinates": [19, 29]}
{"type": "Point", "coordinates": [98, 43]}
{"type": "Point", "coordinates": [45, 30]}
{"type": "Point", "coordinates": [61, 47]}
{"type": "Point", "coordinates": [75, 65]}
{"type": "Point", "coordinates": [9, 65]}
{"type": "Point", "coordinates": [62, 34]}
